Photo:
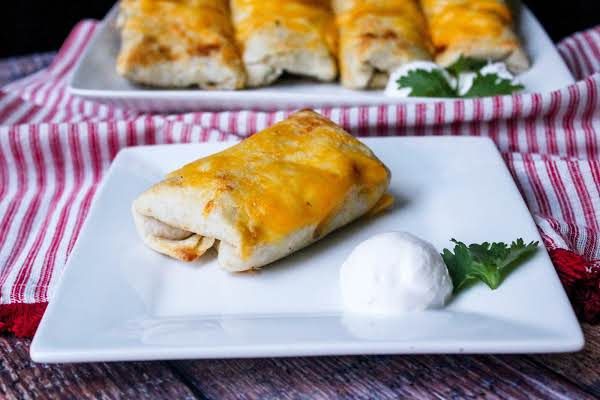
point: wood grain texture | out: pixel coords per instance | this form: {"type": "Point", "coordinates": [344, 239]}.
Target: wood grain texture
{"type": "Point", "coordinates": [382, 377]}
{"type": "Point", "coordinates": [563, 376]}
{"type": "Point", "coordinates": [582, 368]}
{"type": "Point", "coordinates": [20, 378]}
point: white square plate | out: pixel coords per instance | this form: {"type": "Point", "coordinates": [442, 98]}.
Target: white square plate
{"type": "Point", "coordinates": [95, 78]}
{"type": "Point", "coordinates": [119, 300]}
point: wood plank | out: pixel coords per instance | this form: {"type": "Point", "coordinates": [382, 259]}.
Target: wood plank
{"type": "Point", "coordinates": [20, 378]}
{"type": "Point", "coordinates": [581, 368]}
{"type": "Point", "coordinates": [542, 376]}
{"type": "Point", "coordinates": [382, 377]}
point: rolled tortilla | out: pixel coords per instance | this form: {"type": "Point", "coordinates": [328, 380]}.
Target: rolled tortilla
{"type": "Point", "coordinates": [480, 29]}
{"type": "Point", "coordinates": [378, 36]}
{"type": "Point", "coordinates": [179, 43]}
{"type": "Point", "coordinates": [294, 36]}
{"type": "Point", "coordinates": [266, 197]}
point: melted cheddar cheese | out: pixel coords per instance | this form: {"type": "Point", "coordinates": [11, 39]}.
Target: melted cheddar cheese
{"type": "Point", "coordinates": [178, 29]}
{"type": "Point", "coordinates": [456, 21]}
{"type": "Point", "coordinates": [310, 18]}
{"type": "Point", "coordinates": [348, 11]}
{"type": "Point", "coordinates": [404, 21]}
{"type": "Point", "coordinates": [294, 174]}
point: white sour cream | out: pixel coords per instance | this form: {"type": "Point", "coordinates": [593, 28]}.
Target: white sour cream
{"type": "Point", "coordinates": [393, 273]}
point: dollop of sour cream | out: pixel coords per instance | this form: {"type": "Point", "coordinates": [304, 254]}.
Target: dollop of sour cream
{"type": "Point", "coordinates": [392, 88]}
{"type": "Point", "coordinates": [393, 273]}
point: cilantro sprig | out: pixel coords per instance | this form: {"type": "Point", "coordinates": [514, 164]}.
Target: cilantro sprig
{"type": "Point", "coordinates": [491, 85]}
{"type": "Point", "coordinates": [487, 262]}
{"type": "Point", "coordinates": [433, 83]}
{"type": "Point", "coordinates": [427, 84]}
{"type": "Point", "coordinates": [465, 64]}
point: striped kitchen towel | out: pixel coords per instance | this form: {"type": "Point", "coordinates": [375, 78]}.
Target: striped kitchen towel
{"type": "Point", "coordinates": [55, 149]}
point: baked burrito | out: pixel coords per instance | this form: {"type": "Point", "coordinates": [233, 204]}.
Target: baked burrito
{"type": "Point", "coordinates": [179, 43]}
{"type": "Point", "coordinates": [480, 29]}
{"type": "Point", "coordinates": [294, 36]}
{"type": "Point", "coordinates": [378, 36]}
{"type": "Point", "coordinates": [265, 197]}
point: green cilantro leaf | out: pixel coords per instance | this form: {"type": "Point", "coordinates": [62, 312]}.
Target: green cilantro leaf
{"type": "Point", "coordinates": [491, 85]}
{"type": "Point", "coordinates": [486, 262]}
{"type": "Point", "coordinates": [426, 84]}
{"type": "Point", "coordinates": [465, 64]}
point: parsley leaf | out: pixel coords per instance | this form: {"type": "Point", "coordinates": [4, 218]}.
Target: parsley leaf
{"type": "Point", "coordinates": [427, 84]}
{"type": "Point", "coordinates": [487, 262]}
{"type": "Point", "coordinates": [465, 64]}
{"type": "Point", "coordinates": [491, 85]}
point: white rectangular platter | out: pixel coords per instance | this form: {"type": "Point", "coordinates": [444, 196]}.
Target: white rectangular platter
{"type": "Point", "coordinates": [95, 78]}
{"type": "Point", "coordinates": [119, 300]}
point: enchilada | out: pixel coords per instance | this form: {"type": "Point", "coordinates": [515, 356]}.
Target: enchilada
{"type": "Point", "coordinates": [266, 197]}
{"type": "Point", "coordinates": [294, 36]}
{"type": "Point", "coordinates": [179, 43]}
{"type": "Point", "coordinates": [378, 36]}
{"type": "Point", "coordinates": [481, 29]}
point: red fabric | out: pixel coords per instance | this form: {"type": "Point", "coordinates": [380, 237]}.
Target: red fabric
{"type": "Point", "coordinates": [21, 319]}
{"type": "Point", "coordinates": [581, 280]}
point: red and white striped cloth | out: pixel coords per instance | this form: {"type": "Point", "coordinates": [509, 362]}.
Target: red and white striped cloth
{"type": "Point", "coordinates": [55, 149]}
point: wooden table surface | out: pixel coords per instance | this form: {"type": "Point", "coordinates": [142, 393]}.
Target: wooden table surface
{"type": "Point", "coordinates": [571, 376]}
